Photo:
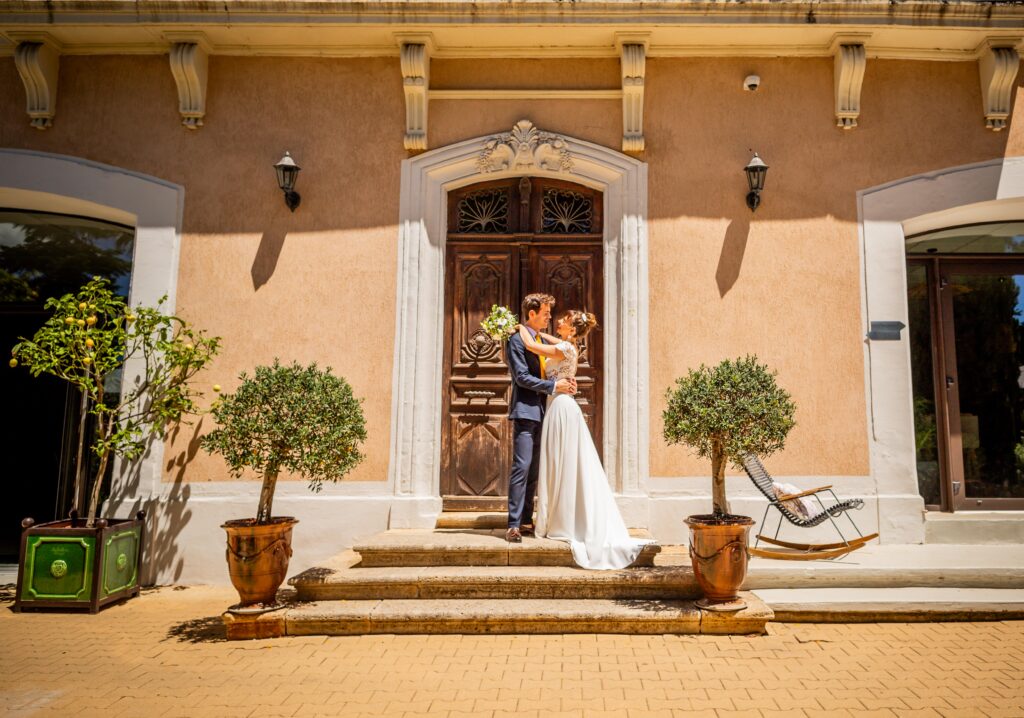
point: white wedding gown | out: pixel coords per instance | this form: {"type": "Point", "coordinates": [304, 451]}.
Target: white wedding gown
{"type": "Point", "coordinates": [574, 501]}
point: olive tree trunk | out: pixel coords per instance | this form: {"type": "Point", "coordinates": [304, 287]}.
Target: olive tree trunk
{"type": "Point", "coordinates": [718, 461]}
{"type": "Point", "coordinates": [267, 495]}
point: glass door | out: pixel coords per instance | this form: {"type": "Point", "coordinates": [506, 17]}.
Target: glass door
{"type": "Point", "coordinates": [982, 305]}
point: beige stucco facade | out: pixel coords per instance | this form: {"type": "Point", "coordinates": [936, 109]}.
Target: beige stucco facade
{"type": "Point", "coordinates": [785, 283]}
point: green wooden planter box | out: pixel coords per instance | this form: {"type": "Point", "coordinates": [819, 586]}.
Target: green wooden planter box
{"type": "Point", "coordinates": [64, 564]}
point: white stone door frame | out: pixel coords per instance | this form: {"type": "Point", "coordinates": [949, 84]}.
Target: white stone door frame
{"type": "Point", "coordinates": [45, 182]}
{"type": "Point", "coordinates": [415, 461]}
{"type": "Point", "coordinates": [982, 192]}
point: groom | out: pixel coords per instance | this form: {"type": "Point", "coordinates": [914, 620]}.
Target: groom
{"type": "Point", "coordinates": [526, 410]}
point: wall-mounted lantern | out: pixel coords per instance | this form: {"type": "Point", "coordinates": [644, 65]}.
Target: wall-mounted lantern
{"type": "Point", "coordinates": [756, 171]}
{"type": "Point", "coordinates": [287, 173]}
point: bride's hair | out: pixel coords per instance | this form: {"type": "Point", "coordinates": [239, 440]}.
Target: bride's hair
{"type": "Point", "coordinates": [581, 321]}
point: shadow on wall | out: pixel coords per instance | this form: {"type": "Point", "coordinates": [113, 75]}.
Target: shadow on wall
{"type": "Point", "coordinates": [731, 258]}
{"type": "Point", "coordinates": [265, 261]}
{"type": "Point", "coordinates": [167, 515]}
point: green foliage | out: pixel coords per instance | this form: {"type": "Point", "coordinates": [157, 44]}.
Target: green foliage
{"type": "Point", "coordinates": [293, 418]}
{"type": "Point", "coordinates": [736, 405]}
{"type": "Point", "coordinates": [92, 339]}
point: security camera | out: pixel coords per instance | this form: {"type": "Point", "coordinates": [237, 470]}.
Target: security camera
{"type": "Point", "coordinates": [751, 83]}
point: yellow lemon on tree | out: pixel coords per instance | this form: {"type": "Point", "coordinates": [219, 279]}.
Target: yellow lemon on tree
{"type": "Point", "coordinates": [87, 360]}
{"type": "Point", "coordinates": [69, 320]}
{"type": "Point", "coordinates": [89, 343]}
{"type": "Point", "coordinates": [80, 322]}
{"type": "Point", "coordinates": [90, 320]}
{"type": "Point", "coordinates": [216, 387]}
{"type": "Point", "coordinates": [13, 363]}
{"type": "Point", "coordinates": [83, 306]}
{"type": "Point", "coordinates": [129, 317]}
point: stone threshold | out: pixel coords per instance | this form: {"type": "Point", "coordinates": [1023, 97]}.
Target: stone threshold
{"type": "Point", "coordinates": [893, 605]}
{"type": "Point", "coordinates": [449, 582]}
{"type": "Point", "coordinates": [493, 616]}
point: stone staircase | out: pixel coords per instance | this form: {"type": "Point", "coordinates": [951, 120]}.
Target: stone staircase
{"type": "Point", "coordinates": [463, 577]}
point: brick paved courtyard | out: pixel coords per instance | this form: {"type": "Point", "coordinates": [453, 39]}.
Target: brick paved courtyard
{"type": "Point", "coordinates": [165, 655]}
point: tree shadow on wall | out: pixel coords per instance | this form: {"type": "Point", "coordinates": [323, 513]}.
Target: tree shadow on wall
{"type": "Point", "coordinates": [731, 258]}
{"type": "Point", "coordinates": [265, 261]}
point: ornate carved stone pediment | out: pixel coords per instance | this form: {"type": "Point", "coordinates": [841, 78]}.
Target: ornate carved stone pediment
{"type": "Point", "coordinates": [525, 148]}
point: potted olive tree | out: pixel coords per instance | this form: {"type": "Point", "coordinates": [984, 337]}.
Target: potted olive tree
{"type": "Point", "coordinates": [285, 418]}
{"type": "Point", "coordinates": [723, 413]}
{"type": "Point", "coordinates": [132, 369]}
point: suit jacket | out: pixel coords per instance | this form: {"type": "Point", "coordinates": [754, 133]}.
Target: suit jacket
{"type": "Point", "coordinates": [529, 391]}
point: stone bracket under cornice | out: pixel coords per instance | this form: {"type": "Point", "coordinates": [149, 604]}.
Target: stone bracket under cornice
{"type": "Point", "coordinates": [189, 58]}
{"type": "Point", "coordinates": [850, 59]}
{"type": "Point", "coordinates": [415, 58]}
{"type": "Point", "coordinates": [998, 63]}
{"type": "Point", "coordinates": [633, 60]}
{"type": "Point", "coordinates": [37, 58]}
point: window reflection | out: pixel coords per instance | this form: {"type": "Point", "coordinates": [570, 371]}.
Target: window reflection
{"type": "Point", "coordinates": [49, 255]}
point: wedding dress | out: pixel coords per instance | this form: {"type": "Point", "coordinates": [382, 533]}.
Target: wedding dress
{"type": "Point", "coordinates": [574, 501]}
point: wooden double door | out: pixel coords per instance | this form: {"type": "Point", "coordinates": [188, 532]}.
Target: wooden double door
{"type": "Point", "coordinates": [508, 239]}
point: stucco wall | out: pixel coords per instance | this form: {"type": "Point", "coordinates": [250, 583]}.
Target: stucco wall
{"type": "Point", "coordinates": [783, 283]}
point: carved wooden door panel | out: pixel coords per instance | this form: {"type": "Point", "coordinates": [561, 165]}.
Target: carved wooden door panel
{"type": "Point", "coordinates": [573, 275]}
{"type": "Point", "coordinates": [507, 239]}
{"type": "Point", "coordinates": [475, 449]}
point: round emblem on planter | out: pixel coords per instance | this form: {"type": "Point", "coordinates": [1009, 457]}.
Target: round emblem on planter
{"type": "Point", "coordinates": [122, 562]}
{"type": "Point", "coordinates": [59, 568]}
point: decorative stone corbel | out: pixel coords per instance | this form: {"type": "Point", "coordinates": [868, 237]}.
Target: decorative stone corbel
{"type": "Point", "coordinates": [633, 60]}
{"type": "Point", "coordinates": [189, 65]}
{"type": "Point", "coordinates": [997, 67]}
{"type": "Point", "coordinates": [38, 63]}
{"type": "Point", "coordinates": [850, 61]}
{"type": "Point", "coordinates": [416, 83]}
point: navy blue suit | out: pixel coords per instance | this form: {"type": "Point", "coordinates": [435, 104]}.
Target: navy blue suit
{"type": "Point", "coordinates": [529, 400]}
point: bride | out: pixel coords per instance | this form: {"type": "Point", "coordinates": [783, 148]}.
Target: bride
{"type": "Point", "coordinates": [574, 501]}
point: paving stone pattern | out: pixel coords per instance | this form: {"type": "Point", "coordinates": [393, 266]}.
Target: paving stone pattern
{"type": "Point", "coordinates": [165, 654]}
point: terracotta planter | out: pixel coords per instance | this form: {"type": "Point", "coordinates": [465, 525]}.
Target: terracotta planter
{"type": "Point", "coordinates": [718, 552]}
{"type": "Point", "coordinates": [258, 557]}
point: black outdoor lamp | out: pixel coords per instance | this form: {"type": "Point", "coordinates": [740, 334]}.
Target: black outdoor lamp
{"type": "Point", "coordinates": [287, 173]}
{"type": "Point", "coordinates": [756, 171]}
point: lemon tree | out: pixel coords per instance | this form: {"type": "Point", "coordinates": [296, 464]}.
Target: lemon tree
{"type": "Point", "coordinates": [288, 418]}
{"type": "Point", "coordinates": [726, 411]}
{"type": "Point", "coordinates": [92, 340]}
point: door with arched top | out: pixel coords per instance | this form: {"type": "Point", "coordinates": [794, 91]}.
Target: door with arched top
{"type": "Point", "coordinates": [507, 239]}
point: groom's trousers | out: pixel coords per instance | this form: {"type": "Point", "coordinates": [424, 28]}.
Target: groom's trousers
{"type": "Point", "coordinates": [522, 481]}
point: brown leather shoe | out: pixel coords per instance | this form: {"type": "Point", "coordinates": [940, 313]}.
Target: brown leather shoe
{"type": "Point", "coordinates": [528, 530]}
{"type": "Point", "coordinates": [513, 535]}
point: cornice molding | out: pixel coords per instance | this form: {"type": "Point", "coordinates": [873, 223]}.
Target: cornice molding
{"type": "Point", "coordinates": [38, 61]}
{"type": "Point", "coordinates": [935, 13]}
{"type": "Point", "coordinates": [190, 68]}
{"type": "Point", "coordinates": [525, 94]}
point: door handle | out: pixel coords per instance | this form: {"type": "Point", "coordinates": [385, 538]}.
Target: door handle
{"type": "Point", "coordinates": [481, 393]}
{"type": "Point", "coordinates": [949, 382]}
{"type": "Point", "coordinates": [956, 488]}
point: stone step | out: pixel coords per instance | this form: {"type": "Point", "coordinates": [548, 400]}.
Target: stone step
{"type": "Point", "coordinates": [337, 618]}
{"type": "Point", "coordinates": [901, 605]}
{"type": "Point", "coordinates": [472, 520]}
{"type": "Point", "coordinates": [471, 547]}
{"type": "Point", "coordinates": [524, 582]}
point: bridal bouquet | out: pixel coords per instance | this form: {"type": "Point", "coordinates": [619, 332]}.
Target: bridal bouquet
{"type": "Point", "coordinates": [500, 324]}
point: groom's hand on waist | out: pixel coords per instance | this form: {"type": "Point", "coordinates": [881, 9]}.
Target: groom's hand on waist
{"type": "Point", "coordinates": [565, 386]}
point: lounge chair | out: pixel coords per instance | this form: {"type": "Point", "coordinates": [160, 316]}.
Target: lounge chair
{"type": "Point", "coordinates": [803, 551]}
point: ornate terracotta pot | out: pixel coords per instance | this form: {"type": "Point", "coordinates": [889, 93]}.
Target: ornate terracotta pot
{"type": "Point", "coordinates": [258, 557]}
{"type": "Point", "coordinates": [718, 552]}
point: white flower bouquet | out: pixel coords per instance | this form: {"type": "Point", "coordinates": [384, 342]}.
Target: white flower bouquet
{"type": "Point", "coordinates": [500, 324]}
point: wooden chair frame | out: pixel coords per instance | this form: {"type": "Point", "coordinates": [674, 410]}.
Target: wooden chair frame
{"type": "Point", "coordinates": [803, 551]}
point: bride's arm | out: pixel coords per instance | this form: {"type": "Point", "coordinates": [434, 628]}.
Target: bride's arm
{"type": "Point", "coordinates": [544, 350]}
{"type": "Point", "coordinates": [549, 338]}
